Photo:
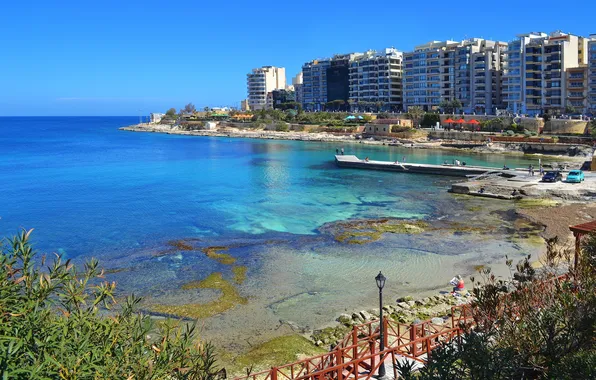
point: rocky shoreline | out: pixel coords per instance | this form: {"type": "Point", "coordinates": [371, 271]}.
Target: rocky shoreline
{"type": "Point", "coordinates": [406, 310]}
{"type": "Point", "coordinates": [571, 153]}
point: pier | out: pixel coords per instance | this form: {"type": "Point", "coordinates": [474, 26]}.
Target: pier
{"type": "Point", "coordinates": [350, 161]}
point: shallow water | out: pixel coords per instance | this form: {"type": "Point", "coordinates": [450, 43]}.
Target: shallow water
{"type": "Point", "coordinates": [89, 189]}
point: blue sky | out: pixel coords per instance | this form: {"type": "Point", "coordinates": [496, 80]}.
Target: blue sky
{"type": "Point", "coordinates": [122, 57]}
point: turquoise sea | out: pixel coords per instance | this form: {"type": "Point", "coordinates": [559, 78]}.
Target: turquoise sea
{"type": "Point", "coordinates": [90, 189]}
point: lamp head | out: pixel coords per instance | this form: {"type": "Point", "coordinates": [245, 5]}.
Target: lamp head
{"type": "Point", "coordinates": [380, 280]}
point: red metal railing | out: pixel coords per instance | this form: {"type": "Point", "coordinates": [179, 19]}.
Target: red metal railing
{"type": "Point", "coordinates": [357, 356]}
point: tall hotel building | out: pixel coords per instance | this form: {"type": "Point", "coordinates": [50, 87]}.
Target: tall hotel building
{"type": "Point", "coordinates": [261, 82]}
{"type": "Point", "coordinates": [377, 79]}
{"type": "Point", "coordinates": [544, 73]}
{"type": "Point", "coordinates": [468, 71]}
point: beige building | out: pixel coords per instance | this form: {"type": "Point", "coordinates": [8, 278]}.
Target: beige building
{"type": "Point", "coordinates": [536, 79]}
{"type": "Point", "coordinates": [577, 89]}
{"type": "Point", "coordinates": [261, 82]}
{"type": "Point", "coordinates": [244, 105]}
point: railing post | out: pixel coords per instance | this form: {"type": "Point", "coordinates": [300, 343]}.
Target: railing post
{"type": "Point", "coordinates": [372, 352]}
{"type": "Point", "coordinates": [274, 373]}
{"type": "Point", "coordinates": [385, 325]}
{"type": "Point", "coordinates": [354, 342]}
{"type": "Point", "coordinates": [413, 339]}
{"type": "Point", "coordinates": [339, 360]}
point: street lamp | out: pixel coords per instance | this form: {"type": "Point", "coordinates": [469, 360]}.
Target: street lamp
{"type": "Point", "coordinates": [380, 284]}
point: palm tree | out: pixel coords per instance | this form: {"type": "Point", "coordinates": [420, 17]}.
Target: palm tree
{"type": "Point", "coordinates": [415, 113]}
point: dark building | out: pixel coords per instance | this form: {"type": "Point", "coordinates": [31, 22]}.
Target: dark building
{"type": "Point", "coordinates": [338, 84]}
{"type": "Point", "coordinates": [282, 96]}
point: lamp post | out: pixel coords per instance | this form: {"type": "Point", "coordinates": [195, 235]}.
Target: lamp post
{"type": "Point", "coordinates": [380, 284]}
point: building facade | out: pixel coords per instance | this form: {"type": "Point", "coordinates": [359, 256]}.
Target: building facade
{"type": "Point", "coordinates": [539, 70]}
{"type": "Point", "coordinates": [316, 89]}
{"type": "Point", "coordinates": [591, 82]}
{"type": "Point", "coordinates": [444, 71]}
{"type": "Point", "coordinates": [422, 74]}
{"type": "Point", "coordinates": [279, 97]}
{"type": "Point", "coordinates": [261, 82]}
{"type": "Point", "coordinates": [486, 79]}
{"type": "Point", "coordinates": [375, 81]}
{"type": "Point", "coordinates": [577, 89]}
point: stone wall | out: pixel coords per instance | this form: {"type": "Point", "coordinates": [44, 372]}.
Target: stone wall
{"type": "Point", "coordinates": [559, 126]}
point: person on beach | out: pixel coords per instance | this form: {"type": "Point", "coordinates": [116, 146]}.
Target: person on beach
{"type": "Point", "coordinates": [342, 151]}
{"type": "Point", "coordinates": [458, 283]}
{"type": "Point", "coordinates": [541, 170]}
{"type": "Point", "coordinates": [336, 151]}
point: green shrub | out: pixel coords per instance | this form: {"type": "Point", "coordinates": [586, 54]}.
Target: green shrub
{"type": "Point", "coordinates": [430, 120]}
{"type": "Point", "coordinates": [64, 323]}
{"type": "Point", "coordinates": [282, 127]}
{"type": "Point", "coordinates": [509, 132]}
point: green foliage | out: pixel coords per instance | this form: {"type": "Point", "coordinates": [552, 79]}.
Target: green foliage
{"type": "Point", "coordinates": [62, 322]}
{"type": "Point", "coordinates": [415, 113]}
{"type": "Point", "coordinates": [534, 326]}
{"type": "Point", "coordinates": [281, 127]}
{"type": "Point", "coordinates": [509, 132]}
{"type": "Point", "coordinates": [171, 112]}
{"type": "Point", "coordinates": [430, 120]}
{"type": "Point", "coordinates": [450, 106]}
{"type": "Point", "coordinates": [383, 115]}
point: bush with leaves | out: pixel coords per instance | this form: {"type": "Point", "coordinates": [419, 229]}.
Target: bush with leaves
{"type": "Point", "coordinates": [62, 322]}
{"type": "Point", "coordinates": [536, 326]}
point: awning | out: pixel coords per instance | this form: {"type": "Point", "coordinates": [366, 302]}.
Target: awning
{"type": "Point", "coordinates": [473, 121]}
{"type": "Point", "coordinates": [449, 121]}
{"type": "Point", "coordinates": [460, 121]}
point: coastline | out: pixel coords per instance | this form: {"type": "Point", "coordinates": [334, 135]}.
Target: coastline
{"type": "Point", "coordinates": [327, 330]}
{"type": "Point", "coordinates": [445, 145]}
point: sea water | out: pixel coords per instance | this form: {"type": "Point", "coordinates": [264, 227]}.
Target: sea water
{"type": "Point", "coordinates": [90, 189]}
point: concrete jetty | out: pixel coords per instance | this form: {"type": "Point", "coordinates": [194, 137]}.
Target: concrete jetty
{"type": "Point", "coordinates": [350, 161]}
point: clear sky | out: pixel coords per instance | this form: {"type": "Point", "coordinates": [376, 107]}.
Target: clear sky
{"type": "Point", "coordinates": [125, 57]}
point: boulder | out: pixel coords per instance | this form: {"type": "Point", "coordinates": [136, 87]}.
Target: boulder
{"type": "Point", "coordinates": [437, 321]}
{"type": "Point", "coordinates": [344, 319]}
{"type": "Point", "coordinates": [366, 316]}
{"type": "Point", "coordinates": [404, 305]}
{"type": "Point", "coordinates": [411, 303]}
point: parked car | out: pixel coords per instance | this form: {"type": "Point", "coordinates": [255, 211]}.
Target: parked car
{"type": "Point", "coordinates": [552, 176]}
{"type": "Point", "coordinates": [575, 176]}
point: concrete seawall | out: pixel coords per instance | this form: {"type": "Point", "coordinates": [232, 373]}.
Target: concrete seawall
{"type": "Point", "coordinates": [354, 162]}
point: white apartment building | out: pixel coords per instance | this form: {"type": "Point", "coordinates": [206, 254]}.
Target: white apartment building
{"type": "Point", "coordinates": [591, 81]}
{"type": "Point", "coordinates": [445, 71]}
{"type": "Point", "coordinates": [375, 81]}
{"type": "Point", "coordinates": [422, 74]}
{"type": "Point", "coordinates": [261, 82]}
{"type": "Point", "coordinates": [535, 78]}
{"type": "Point", "coordinates": [486, 78]}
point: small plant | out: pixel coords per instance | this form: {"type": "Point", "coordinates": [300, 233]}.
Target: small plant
{"type": "Point", "coordinates": [60, 322]}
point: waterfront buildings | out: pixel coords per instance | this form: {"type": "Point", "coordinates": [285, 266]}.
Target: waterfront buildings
{"type": "Point", "coordinates": [375, 81]}
{"type": "Point", "coordinates": [326, 80]}
{"type": "Point", "coordinates": [261, 82]}
{"type": "Point", "coordinates": [444, 71]}
{"type": "Point", "coordinates": [541, 75]}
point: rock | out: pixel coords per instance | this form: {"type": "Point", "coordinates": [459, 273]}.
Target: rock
{"type": "Point", "coordinates": [318, 343]}
{"type": "Point", "coordinates": [404, 299]}
{"type": "Point", "coordinates": [356, 317]}
{"type": "Point", "coordinates": [411, 303]}
{"type": "Point", "coordinates": [366, 316]}
{"type": "Point", "coordinates": [344, 319]}
{"type": "Point", "coordinates": [419, 302]}
{"type": "Point", "coordinates": [437, 321]}
{"type": "Point", "coordinates": [404, 305]}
